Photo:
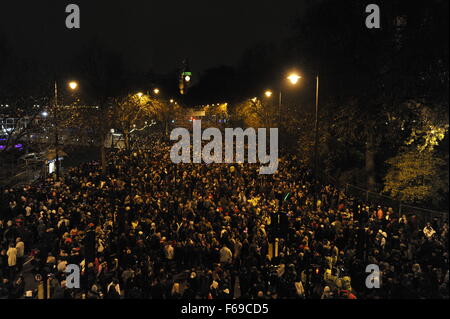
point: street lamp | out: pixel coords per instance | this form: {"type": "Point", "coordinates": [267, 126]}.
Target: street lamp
{"type": "Point", "coordinates": [139, 94]}
{"type": "Point", "coordinates": [268, 93]}
{"type": "Point", "coordinates": [293, 78]}
{"type": "Point", "coordinates": [156, 91]}
{"type": "Point", "coordinates": [72, 85]}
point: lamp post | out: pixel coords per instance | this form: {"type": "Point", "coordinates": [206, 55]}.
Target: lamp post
{"type": "Point", "coordinates": [72, 85]}
{"type": "Point", "coordinates": [279, 106]}
{"type": "Point", "coordinates": [293, 78]}
{"type": "Point", "coordinates": [316, 128]}
{"type": "Point", "coordinates": [55, 123]}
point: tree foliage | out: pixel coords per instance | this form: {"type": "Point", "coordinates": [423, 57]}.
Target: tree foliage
{"type": "Point", "coordinates": [256, 113]}
{"type": "Point", "coordinates": [417, 176]}
{"type": "Point", "coordinates": [430, 126]}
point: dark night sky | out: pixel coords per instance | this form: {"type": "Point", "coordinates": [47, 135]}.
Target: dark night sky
{"type": "Point", "coordinates": [148, 33]}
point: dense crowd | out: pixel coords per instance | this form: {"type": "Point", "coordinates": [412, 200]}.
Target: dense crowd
{"type": "Point", "coordinates": [169, 231]}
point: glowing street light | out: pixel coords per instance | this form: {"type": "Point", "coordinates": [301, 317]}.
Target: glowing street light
{"type": "Point", "coordinates": [171, 100]}
{"type": "Point", "coordinates": [294, 78]}
{"type": "Point", "coordinates": [139, 94]}
{"type": "Point", "coordinates": [156, 91]}
{"type": "Point", "coordinates": [73, 85]}
{"type": "Point", "coordinates": [44, 114]}
{"type": "Point", "coordinates": [268, 93]}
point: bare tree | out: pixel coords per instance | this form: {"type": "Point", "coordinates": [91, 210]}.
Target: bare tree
{"type": "Point", "coordinates": [129, 113]}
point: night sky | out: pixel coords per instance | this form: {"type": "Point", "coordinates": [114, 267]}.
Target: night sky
{"type": "Point", "coordinates": [148, 34]}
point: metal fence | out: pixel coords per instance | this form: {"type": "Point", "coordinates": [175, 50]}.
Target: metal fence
{"type": "Point", "coordinates": [423, 215]}
{"type": "Point", "coordinates": [371, 197]}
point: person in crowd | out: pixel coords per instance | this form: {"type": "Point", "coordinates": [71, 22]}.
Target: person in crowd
{"type": "Point", "coordinates": [428, 231]}
{"type": "Point", "coordinates": [20, 248]}
{"type": "Point", "coordinates": [12, 260]}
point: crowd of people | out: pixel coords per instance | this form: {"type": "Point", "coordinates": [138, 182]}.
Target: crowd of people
{"type": "Point", "coordinates": [149, 228]}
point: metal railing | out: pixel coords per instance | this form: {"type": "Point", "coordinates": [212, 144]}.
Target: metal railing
{"type": "Point", "coordinates": [423, 215]}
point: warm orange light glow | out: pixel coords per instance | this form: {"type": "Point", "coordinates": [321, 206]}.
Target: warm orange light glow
{"type": "Point", "coordinates": [73, 85]}
{"type": "Point", "coordinates": [294, 78]}
{"type": "Point", "coordinates": [268, 93]}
